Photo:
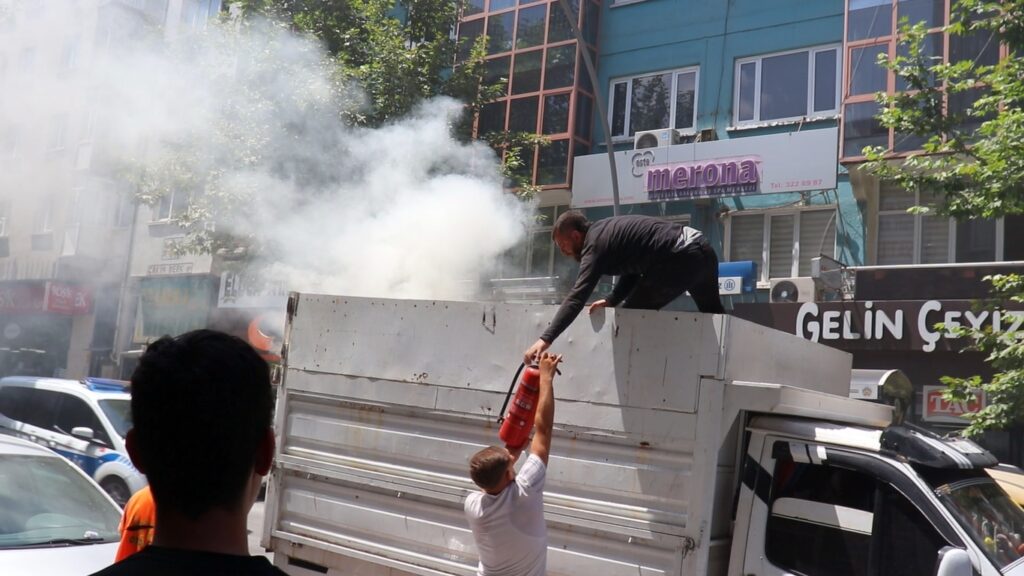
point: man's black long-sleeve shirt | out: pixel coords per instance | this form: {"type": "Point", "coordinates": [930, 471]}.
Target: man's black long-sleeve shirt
{"type": "Point", "coordinates": [624, 246]}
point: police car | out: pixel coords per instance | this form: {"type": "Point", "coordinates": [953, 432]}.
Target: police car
{"type": "Point", "coordinates": [83, 420]}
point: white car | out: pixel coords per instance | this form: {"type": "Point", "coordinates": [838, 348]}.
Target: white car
{"type": "Point", "coordinates": [54, 519]}
{"type": "Point", "coordinates": [83, 420]}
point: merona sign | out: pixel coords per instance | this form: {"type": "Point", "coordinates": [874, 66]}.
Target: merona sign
{"type": "Point", "coordinates": [720, 177]}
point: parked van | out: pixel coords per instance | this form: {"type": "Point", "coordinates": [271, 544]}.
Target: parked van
{"type": "Point", "coordinates": [83, 420]}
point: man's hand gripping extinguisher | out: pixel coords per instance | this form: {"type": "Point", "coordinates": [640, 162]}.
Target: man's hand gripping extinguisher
{"type": "Point", "coordinates": [516, 426]}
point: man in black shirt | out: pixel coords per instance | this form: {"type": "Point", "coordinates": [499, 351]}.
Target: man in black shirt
{"type": "Point", "coordinates": [656, 260]}
{"type": "Point", "coordinates": [201, 411]}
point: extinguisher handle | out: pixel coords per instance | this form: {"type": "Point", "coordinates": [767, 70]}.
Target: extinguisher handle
{"type": "Point", "coordinates": [508, 395]}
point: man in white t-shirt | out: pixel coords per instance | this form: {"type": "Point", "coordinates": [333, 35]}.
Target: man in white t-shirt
{"type": "Point", "coordinates": [507, 515]}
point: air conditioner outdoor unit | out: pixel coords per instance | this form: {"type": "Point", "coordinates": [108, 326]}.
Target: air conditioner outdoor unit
{"type": "Point", "coordinates": [799, 289]}
{"type": "Point", "coordinates": [655, 138]}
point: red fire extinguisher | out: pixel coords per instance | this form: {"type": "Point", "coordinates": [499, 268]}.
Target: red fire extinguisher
{"type": "Point", "coordinates": [516, 426]}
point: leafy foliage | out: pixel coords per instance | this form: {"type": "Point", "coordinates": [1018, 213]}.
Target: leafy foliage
{"type": "Point", "coordinates": [973, 157]}
{"type": "Point", "coordinates": [1004, 392]}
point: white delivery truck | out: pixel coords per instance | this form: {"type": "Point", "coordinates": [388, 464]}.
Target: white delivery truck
{"type": "Point", "coordinates": [685, 444]}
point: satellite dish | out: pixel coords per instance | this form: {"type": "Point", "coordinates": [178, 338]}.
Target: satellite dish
{"type": "Point", "coordinates": [785, 291]}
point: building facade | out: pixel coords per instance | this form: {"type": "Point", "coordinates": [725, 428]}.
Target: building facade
{"type": "Point", "coordinates": [747, 120]}
{"type": "Point", "coordinates": [694, 90]}
{"type": "Point", "coordinates": [68, 220]}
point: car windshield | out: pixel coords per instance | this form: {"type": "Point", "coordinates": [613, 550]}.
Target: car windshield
{"type": "Point", "coordinates": [119, 413]}
{"type": "Point", "coordinates": [44, 501]}
{"type": "Point", "coordinates": [990, 517]}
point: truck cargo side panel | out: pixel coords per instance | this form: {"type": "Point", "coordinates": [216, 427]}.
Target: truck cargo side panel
{"type": "Point", "coordinates": [384, 401]}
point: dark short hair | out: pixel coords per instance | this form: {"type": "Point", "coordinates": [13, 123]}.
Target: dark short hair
{"type": "Point", "coordinates": [487, 467]}
{"type": "Point", "coordinates": [201, 406]}
{"type": "Point", "coordinates": [569, 221]}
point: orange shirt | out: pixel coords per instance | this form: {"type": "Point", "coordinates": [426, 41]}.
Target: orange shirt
{"type": "Point", "coordinates": [137, 524]}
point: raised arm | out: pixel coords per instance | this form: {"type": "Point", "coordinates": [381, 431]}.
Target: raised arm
{"type": "Point", "coordinates": [545, 420]}
{"type": "Point", "coordinates": [622, 289]}
{"type": "Point", "coordinates": [586, 281]}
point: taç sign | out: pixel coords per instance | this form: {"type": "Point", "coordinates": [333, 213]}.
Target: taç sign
{"type": "Point", "coordinates": [938, 409]}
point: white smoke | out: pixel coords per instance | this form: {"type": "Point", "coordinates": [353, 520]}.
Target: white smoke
{"type": "Point", "coordinates": [260, 118]}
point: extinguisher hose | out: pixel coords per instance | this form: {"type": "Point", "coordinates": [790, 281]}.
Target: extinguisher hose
{"type": "Point", "coordinates": [508, 395]}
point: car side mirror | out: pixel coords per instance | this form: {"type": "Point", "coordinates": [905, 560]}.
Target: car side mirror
{"type": "Point", "coordinates": [953, 562]}
{"type": "Point", "coordinates": [83, 433]}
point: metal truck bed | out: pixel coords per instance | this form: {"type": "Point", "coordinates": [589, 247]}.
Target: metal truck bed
{"type": "Point", "coordinates": [384, 401]}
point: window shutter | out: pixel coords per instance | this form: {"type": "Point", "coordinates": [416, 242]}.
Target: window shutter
{"type": "Point", "coordinates": [934, 240]}
{"type": "Point", "coordinates": [746, 239]}
{"type": "Point", "coordinates": [895, 239]}
{"type": "Point", "coordinates": [780, 257]}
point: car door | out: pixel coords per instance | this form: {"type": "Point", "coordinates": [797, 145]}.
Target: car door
{"type": "Point", "coordinates": [34, 413]}
{"type": "Point", "coordinates": [73, 412]}
{"type": "Point", "coordinates": [836, 512]}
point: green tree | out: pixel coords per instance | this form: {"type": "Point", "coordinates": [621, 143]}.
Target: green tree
{"type": "Point", "coordinates": [970, 119]}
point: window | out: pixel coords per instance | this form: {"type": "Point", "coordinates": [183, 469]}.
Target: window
{"type": "Point", "coordinates": [534, 56]}
{"type": "Point", "coordinates": [196, 13]}
{"type": "Point", "coordinates": [866, 76]}
{"type": "Point", "coordinates": [499, 32]}
{"type": "Point", "coordinates": [88, 126]}
{"type": "Point", "coordinates": [30, 406]}
{"type": "Point", "coordinates": [871, 32]}
{"type": "Point", "coordinates": [44, 217]}
{"type": "Point", "coordinates": [787, 86]}
{"type": "Point", "coordinates": [782, 244]}
{"type": "Point", "coordinates": [170, 206]}
{"type": "Point", "coordinates": [823, 518]}
{"type": "Point", "coordinates": [5, 216]}
{"type": "Point", "coordinates": [73, 413]}
{"type": "Point", "coordinates": [530, 28]}
{"type": "Point", "coordinates": [537, 256]}
{"type": "Point", "coordinates": [868, 19]}
{"type": "Point", "coordinates": [861, 128]}
{"type": "Point", "coordinates": [58, 132]}
{"type": "Point", "coordinates": [9, 142]}
{"type": "Point", "coordinates": [172, 248]}
{"type": "Point", "coordinates": [12, 402]}
{"type": "Point", "coordinates": [69, 54]}
{"type": "Point", "coordinates": [904, 238]}
{"type": "Point", "coordinates": [27, 60]}
{"type": "Point", "coordinates": [653, 102]}
{"type": "Point", "coordinates": [125, 210]}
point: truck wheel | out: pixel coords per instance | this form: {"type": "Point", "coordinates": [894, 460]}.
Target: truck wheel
{"type": "Point", "coordinates": [117, 490]}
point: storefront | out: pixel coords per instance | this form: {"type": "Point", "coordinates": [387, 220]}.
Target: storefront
{"type": "Point", "coordinates": [252, 307]}
{"type": "Point", "coordinates": [891, 323]}
{"type": "Point", "coordinates": [172, 305]}
{"type": "Point", "coordinates": [36, 319]}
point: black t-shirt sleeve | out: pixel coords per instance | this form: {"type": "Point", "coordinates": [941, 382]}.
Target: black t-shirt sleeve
{"type": "Point", "coordinates": [586, 281]}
